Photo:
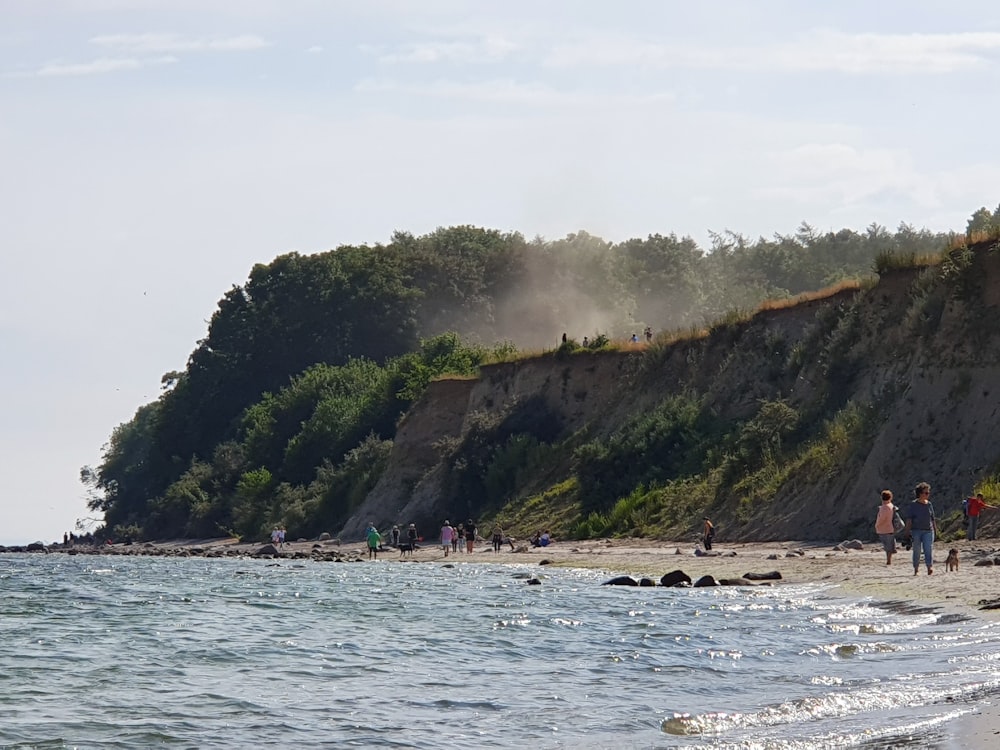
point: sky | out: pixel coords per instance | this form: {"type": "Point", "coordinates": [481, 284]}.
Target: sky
{"type": "Point", "coordinates": [152, 152]}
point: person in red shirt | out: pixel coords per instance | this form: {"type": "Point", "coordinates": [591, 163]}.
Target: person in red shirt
{"type": "Point", "coordinates": [976, 506]}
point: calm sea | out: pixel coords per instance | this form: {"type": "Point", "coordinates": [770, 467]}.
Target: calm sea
{"type": "Point", "coordinates": [118, 652]}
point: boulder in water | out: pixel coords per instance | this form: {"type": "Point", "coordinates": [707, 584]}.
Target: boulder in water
{"type": "Point", "coordinates": [770, 576]}
{"type": "Point", "coordinates": [621, 581]}
{"type": "Point", "coordinates": [675, 578]}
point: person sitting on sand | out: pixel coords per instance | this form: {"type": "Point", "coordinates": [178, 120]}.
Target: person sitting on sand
{"type": "Point", "coordinates": [536, 539]}
{"type": "Point", "coordinates": [545, 539]}
{"type": "Point", "coordinates": [884, 525]}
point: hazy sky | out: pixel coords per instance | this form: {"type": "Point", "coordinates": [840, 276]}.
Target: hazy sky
{"type": "Point", "coordinates": [151, 152]}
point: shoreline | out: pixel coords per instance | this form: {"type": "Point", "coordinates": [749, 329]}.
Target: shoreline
{"type": "Point", "coordinates": [856, 573]}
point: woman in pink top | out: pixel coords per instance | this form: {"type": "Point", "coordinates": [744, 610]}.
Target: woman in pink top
{"type": "Point", "coordinates": [447, 534]}
{"type": "Point", "coordinates": [884, 526]}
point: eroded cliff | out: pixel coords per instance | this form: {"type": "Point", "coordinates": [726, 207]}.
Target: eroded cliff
{"type": "Point", "coordinates": [916, 355]}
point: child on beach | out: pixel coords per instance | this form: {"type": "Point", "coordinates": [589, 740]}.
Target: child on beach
{"type": "Point", "coordinates": [885, 527]}
{"type": "Point", "coordinates": [976, 505]}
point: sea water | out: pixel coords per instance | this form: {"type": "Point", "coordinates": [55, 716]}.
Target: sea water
{"type": "Point", "coordinates": [133, 652]}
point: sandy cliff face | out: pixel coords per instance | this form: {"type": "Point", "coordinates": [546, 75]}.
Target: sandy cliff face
{"type": "Point", "coordinates": [577, 391]}
{"type": "Point", "coordinates": [919, 348]}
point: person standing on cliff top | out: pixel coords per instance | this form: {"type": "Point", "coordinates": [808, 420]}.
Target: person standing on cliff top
{"type": "Point", "coordinates": [976, 506]}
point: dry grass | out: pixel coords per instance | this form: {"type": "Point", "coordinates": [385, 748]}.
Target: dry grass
{"type": "Point", "coordinates": [678, 335]}
{"type": "Point", "coordinates": [825, 293]}
{"type": "Point", "coordinates": [514, 356]}
{"type": "Point", "coordinates": [962, 241]}
{"type": "Point", "coordinates": [450, 376]}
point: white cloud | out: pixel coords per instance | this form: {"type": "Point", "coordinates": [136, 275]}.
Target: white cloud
{"type": "Point", "coordinates": [150, 43]}
{"type": "Point", "coordinates": [100, 66]}
{"type": "Point", "coordinates": [314, 50]}
{"type": "Point", "coordinates": [509, 91]}
{"type": "Point", "coordinates": [891, 53]}
{"type": "Point", "coordinates": [488, 49]}
{"type": "Point", "coordinates": [839, 174]}
{"type": "Point", "coordinates": [814, 51]}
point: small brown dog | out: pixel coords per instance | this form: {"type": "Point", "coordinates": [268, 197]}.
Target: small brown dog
{"type": "Point", "coordinates": [951, 562]}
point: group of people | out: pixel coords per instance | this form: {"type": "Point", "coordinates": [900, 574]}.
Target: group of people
{"type": "Point", "coordinates": [918, 522]}
{"type": "Point", "coordinates": [278, 537]}
{"type": "Point", "coordinates": [405, 542]}
{"type": "Point", "coordinates": [647, 334]}
{"type": "Point", "coordinates": [541, 539]}
{"type": "Point", "coordinates": [451, 536]}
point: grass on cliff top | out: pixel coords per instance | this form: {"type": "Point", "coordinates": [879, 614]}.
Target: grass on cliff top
{"type": "Point", "coordinates": [895, 261]}
{"type": "Point", "coordinates": [983, 237]}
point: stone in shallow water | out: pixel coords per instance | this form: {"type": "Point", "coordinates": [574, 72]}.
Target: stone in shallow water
{"type": "Point", "coordinates": [621, 581]}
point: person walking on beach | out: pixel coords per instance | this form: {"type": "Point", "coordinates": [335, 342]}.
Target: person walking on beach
{"type": "Point", "coordinates": [976, 506]}
{"type": "Point", "coordinates": [921, 524]}
{"type": "Point", "coordinates": [470, 536]}
{"type": "Point", "coordinates": [708, 533]}
{"type": "Point", "coordinates": [497, 537]}
{"type": "Point", "coordinates": [411, 538]}
{"type": "Point", "coordinates": [374, 540]}
{"type": "Point", "coordinates": [885, 525]}
{"type": "Point", "coordinates": [447, 535]}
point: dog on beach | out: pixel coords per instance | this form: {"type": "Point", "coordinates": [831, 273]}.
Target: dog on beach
{"type": "Point", "coordinates": [951, 562]}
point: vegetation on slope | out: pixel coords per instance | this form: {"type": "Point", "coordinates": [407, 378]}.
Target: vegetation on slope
{"type": "Point", "coordinates": [286, 411]}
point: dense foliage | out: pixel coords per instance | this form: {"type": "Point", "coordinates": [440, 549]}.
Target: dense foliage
{"type": "Point", "coordinates": [286, 410]}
